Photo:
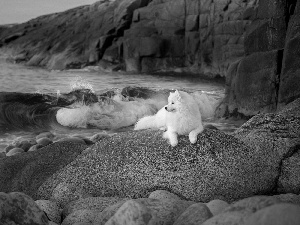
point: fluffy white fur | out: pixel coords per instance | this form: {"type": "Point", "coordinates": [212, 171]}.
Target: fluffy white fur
{"type": "Point", "coordinates": [180, 117]}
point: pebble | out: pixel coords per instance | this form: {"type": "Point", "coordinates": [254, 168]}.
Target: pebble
{"type": "Point", "coordinates": [98, 137]}
{"type": "Point", "coordinates": [44, 141]}
{"type": "Point", "coordinates": [72, 139]}
{"type": "Point", "coordinates": [45, 134]}
{"type": "Point", "coordinates": [29, 144]}
{"type": "Point", "coordinates": [163, 194]}
{"type": "Point", "coordinates": [86, 140]}
{"type": "Point", "coordinates": [8, 148]}
{"type": "Point", "coordinates": [35, 147]}
{"type": "Point", "coordinates": [14, 151]}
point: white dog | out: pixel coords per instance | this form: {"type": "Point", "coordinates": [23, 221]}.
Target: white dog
{"type": "Point", "coordinates": [180, 117]}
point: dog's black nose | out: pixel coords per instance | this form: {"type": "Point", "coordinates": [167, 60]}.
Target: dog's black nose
{"type": "Point", "coordinates": [166, 108]}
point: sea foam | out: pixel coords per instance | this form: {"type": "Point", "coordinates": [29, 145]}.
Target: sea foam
{"type": "Point", "coordinates": [110, 114]}
{"type": "Point", "coordinates": [118, 111]}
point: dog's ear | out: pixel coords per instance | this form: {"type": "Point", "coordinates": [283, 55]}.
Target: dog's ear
{"type": "Point", "coordinates": [177, 94]}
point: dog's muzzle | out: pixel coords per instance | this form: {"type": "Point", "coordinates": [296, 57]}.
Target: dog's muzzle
{"type": "Point", "coordinates": [169, 110]}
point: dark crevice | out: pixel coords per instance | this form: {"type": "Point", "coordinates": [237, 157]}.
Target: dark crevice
{"type": "Point", "coordinates": [290, 8]}
{"type": "Point", "coordinates": [278, 73]}
{"type": "Point", "coordinates": [293, 150]}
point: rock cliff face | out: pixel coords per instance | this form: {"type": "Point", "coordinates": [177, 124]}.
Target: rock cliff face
{"type": "Point", "coordinates": [267, 77]}
{"type": "Point", "coordinates": [146, 35]}
{"type": "Point", "coordinates": [250, 42]}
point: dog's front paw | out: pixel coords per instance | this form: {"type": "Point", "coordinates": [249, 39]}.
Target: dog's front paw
{"type": "Point", "coordinates": [193, 138]}
{"type": "Point", "coordinates": [166, 135]}
{"type": "Point", "coordinates": [173, 143]}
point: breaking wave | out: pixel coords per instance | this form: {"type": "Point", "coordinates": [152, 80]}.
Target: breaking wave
{"type": "Point", "coordinates": [83, 108]}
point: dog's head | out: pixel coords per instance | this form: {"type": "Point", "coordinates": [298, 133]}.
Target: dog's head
{"type": "Point", "coordinates": [174, 101]}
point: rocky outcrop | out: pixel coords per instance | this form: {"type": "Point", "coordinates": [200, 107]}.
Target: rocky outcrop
{"type": "Point", "coordinates": [251, 43]}
{"type": "Point", "coordinates": [159, 35]}
{"type": "Point", "coordinates": [71, 39]}
{"type": "Point", "coordinates": [266, 78]}
{"type": "Point", "coordinates": [198, 36]}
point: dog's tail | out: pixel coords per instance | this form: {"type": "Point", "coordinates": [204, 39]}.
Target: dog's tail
{"type": "Point", "coordinates": [146, 122]}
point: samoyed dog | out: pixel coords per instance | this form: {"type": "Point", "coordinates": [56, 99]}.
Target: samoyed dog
{"type": "Point", "coordinates": [180, 117]}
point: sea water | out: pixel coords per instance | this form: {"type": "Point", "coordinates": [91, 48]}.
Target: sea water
{"type": "Point", "coordinates": [34, 100]}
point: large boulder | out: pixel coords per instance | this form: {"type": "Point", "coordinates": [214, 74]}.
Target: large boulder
{"type": "Point", "coordinates": [133, 164]}
{"type": "Point", "coordinates": [279, 135]}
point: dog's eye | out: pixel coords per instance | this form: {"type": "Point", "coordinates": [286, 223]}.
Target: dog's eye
{"type": "Point", "coordinates": [172, 102]}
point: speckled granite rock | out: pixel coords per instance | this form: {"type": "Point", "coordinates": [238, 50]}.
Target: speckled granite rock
{"type": "Point", "coordinates": [163, 194]}
{"type": "Point", "coordinates": [26, 172]}
{"type": "Point", "coordinates": [18, 208]}
{"type": "Point", "coordinates": [51, 209]}
{"type": "Point", "coordinates": [278, 135]}
{"type": "Point", "coordinates": [63, 192]}
{"type": "Point", "coordinates": [133, 164]}
{"type": "Point", "coordinates": [84, 216]}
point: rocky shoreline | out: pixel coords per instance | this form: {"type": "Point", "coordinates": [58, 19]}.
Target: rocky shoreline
{"type": "Point", "coordinates": [249, 177]}
{"type": "Point", "coordinates": [251, 43]}
{"type": "Point", "coordinates": [111, 180]}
